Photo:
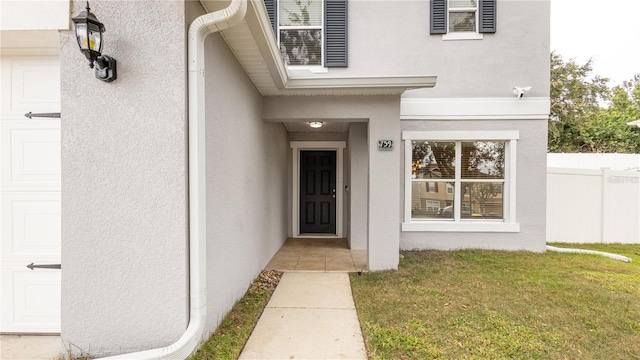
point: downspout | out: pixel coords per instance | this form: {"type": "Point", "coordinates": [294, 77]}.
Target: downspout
{"type": "Point", "coordinates": [200, 28]}
{"type": "Point", "coordinates": [591, 252]}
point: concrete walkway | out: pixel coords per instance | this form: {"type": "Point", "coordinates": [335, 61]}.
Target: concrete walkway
{"type": "Point", "coordinates": [311, 315]}
{"type": "Point", "coordinates": [29, 347]}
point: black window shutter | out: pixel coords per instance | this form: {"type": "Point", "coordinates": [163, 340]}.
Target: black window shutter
{"type": "Point", "coordinates": [335, 33]}
{"type": "Point", "coordinates": [487, 16]}
{"type": "Point", "coordinates": [438, 17]}
{"type": "Point", "coordinates": [272, 11]}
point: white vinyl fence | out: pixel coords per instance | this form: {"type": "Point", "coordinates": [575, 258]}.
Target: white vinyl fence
{"type": "Point", "coordinates": [594, 161]}
{"type": "Point", "coordinates": [593, 206]}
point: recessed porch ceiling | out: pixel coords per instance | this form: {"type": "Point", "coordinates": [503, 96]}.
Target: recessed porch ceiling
{"type": "Point", "coordinates": [327, 127]}
{"type": "Point", "coordinates": [254, 45]}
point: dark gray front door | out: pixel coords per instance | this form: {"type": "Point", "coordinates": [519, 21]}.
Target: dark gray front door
{"type": "Point", "coordinates": [318, 192]}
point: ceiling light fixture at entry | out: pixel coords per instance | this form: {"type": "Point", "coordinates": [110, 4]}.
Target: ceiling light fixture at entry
{"type": "Point", "coordinates": [316, 124]}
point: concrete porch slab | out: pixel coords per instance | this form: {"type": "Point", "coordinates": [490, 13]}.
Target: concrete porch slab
{"type": "Point", "coordinates": [325, 255]}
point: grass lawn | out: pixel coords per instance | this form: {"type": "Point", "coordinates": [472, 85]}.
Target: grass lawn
{"type": "Point", "coordinates": [503, 305]}
{"type": "Point", "coordinates": [229, 338]}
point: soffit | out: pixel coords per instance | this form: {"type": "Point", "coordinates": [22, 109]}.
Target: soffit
{"type": "Point", "coordinates": [254, 45]}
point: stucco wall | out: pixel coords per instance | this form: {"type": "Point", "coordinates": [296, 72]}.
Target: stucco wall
{"type": "Point", "coordinates": [358, 186]}
{"type": "Point", "coordinates": [530, 190]}
{"type": "Point", "coordinates": [516, 55]}
{"type": "Point", "coordinates": [124, 183]}
{"type": "Point", "coordinates": [246, 182]}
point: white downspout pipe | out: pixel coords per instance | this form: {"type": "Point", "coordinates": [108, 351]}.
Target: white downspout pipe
{"type": "Point", "coordinates": [592, 252]}
{"type": "Point", "coordinates": [194, 335]}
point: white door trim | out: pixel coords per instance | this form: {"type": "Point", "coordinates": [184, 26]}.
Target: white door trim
{"type": "Point", "coordinates": [339, 147]}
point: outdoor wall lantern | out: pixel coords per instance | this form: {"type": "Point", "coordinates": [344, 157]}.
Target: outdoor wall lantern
{"type": "Point", "coordinates": [89, 35]}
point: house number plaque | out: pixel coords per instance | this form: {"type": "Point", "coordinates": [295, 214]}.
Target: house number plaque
{"type": "Point", "coordinates": [385, 144]}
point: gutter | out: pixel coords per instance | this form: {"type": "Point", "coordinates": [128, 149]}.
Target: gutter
{"type": "Point", "coordinates": [198, 31]}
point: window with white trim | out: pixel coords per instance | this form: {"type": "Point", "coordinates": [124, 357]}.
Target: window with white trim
{"type": "Point", "coordinates": [462, 19]}
{"type": "Point", "coordinates": [310, 33]}
{"type": "Point", "coordinates": [300, 31]}
{"type": "Point", "coordinates": [474, 174]}
{"type": "Point", "coordinates": [463, 15]}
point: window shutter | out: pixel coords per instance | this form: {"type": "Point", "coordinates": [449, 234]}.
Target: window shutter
{"type": "Point", "coordinates": [487, 16]}
{"type": "Point", "coordinates": [438, 17]}
{"type": "Point", "coordinates": [335, 33]}
{"type": "Point", "coordinates": [272, 11]}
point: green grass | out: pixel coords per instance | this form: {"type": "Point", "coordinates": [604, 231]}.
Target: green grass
{"type": "Point", "coordinates": [231, 335]}
{"type": "Point", "coordinates": [503, 305]}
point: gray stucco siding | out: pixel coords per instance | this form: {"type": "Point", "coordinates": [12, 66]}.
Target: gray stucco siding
{"type": "Point", "coordinates": [516, 55]}
{"type": "Point", "coordinates": [124, 183]}
{"type": "Point", "coordinates": [247, 183]}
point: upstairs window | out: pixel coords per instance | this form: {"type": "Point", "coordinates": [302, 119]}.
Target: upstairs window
{"type": "Point", "coordinates": [463, 19]}
{"type": "Point", "coordinates": [300, 31]}
{"type": "Point", "coordinates": [463, 15]}
{"type": "Point", "coordinates": [310, 32]}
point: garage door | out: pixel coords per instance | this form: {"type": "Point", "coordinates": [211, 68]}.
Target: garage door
{"type": "Point", "coordinates": [29, 195]}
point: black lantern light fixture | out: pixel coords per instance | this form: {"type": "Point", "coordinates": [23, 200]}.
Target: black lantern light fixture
{"type": "Point", "coordinates": [89, 35]}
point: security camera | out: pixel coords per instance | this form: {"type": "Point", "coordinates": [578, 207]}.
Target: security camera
{"type": "Point", "coordinates": [519, 91]}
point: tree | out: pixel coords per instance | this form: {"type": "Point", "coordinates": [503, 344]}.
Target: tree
{"type": "Point", "coordinates": [483, 192]}
{"type": "Point", "coordinates": [574, 98]}
{"type": "Point", "coordinates": [587, 115]}
{"type": "Point", "coordinates": [608, 130]}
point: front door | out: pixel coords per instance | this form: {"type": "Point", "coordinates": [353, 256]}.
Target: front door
{"type": "Point", "coordinates": [317, 192]}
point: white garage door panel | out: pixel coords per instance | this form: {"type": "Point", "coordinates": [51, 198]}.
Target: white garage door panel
{"type": "Point", "coordinates": [31, 153]}
{"type": "Point", "coordinates": [30, 216]}
{"type": "Point", "coordinates": [30, 225]}
{"type": "Point", "coordinates": [35, 84]}
{"type": "Point", "coordinates": [34, 304]}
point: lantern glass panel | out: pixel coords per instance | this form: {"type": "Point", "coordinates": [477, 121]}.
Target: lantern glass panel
{"type": "Point", "coordinates": [82, 36]}
{"type": "Point", "coordinates": [95, 38]}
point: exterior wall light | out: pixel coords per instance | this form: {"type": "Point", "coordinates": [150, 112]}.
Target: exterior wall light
{"type": "Point", "coordinates": [89, 35]}
{"type": "Point", "coordinates": [316, 124]}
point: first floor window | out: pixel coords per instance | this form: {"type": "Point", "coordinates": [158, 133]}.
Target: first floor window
{"type": "Point", "coordinates": [466, 178]}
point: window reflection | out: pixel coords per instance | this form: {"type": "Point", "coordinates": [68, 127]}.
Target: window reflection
{"type": "Point", "coordinates": [432, 159]}
{"type": "Point", "coordinates": [431, 200]}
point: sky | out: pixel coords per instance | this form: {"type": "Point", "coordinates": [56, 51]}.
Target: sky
{"type": "Point", "coordinates": [608, 31]}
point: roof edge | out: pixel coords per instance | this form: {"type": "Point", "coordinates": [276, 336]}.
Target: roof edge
{"type": "Point", "coordinates": [260, 27]}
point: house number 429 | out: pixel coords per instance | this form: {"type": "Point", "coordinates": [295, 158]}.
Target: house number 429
{"type": "Point", "coordinates": [385, 144]}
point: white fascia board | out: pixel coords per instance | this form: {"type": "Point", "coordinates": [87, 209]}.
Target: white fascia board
{"type": "Point", "coordinates": [260, 26]}
{"type": "Point", "coordinates": [35, 15]}
{"type": "Point", "coordinates": [511, 108]}
{"type": "Point", "coordinates": [362, 82]}
{"type": "Point", "coordinates": [461, 135]}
